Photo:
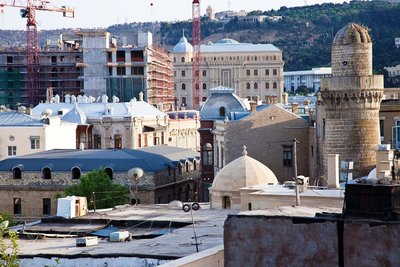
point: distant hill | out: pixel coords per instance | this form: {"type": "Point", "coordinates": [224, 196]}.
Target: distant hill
{"type": "Point", "coordinates": [304, 34]}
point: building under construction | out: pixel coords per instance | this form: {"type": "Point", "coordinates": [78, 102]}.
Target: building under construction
{"type": "Point", "coordinates": [91, 62]}
{"type": "Point", "coordinates": [59, 72]}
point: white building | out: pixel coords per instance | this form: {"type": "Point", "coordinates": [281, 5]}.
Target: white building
{"type": "Point", "coordinates": [309, 78]}
{"type": "Point", "coordinates": [20, 134]}
{"type": "Point", "coordinates": [254, 70]}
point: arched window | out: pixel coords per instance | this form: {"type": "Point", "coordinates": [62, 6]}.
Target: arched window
{"type": "Point", "coordinates": [207, 155]}
{"type": "Point", "coordinates": [17, 173]}
{"type": "Point", "coordinates": [76, 173]}
{"type": "Point", "coordinates": [274, 85]}
{"type": "Point", "coordinates": [196, 86]}
{"type": "Point", "coordinates": [204, 86]}
{"type": "Point", "coordinates": [109, 172]}
{"type": "Point", "coordinates": [222, 111]}
{"type": "Point", "coordinates": [267, 85]}
{"type": "Point", "coordinates": [187, 166]}
{"type": "Point", "coordinates": [46, 173]}
{"type": "Point", "coordinates": [256, 86]}
{"type": "Point", "coordinates": [248, 86]}
{"type": "Point", "coordinates": [183, 86]}
{"type": "Point", "coordinates": [183, 59]}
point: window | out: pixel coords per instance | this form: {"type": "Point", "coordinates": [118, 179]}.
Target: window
{"type": "Point", "coordinates": [12, 150]}
{"type": "Point", "coordinates": [274, 72]}
{"type": "Point", "coordinates": [53, 59]}
{"type": "Point", "coordinates": [121, 56]}
{"type": "Point", "coordinates": [109, 57]}
{"type": "Point", "coordinates": [183, 73]}
{"type": "Point", "coordinates": [204, 98]}
{"type": "Point", "coordinates": [76, 173]}
{"type": "Point", "coordinates": [183, 86]}
{"type": "Point", "coordinates": [46, 173]}
{"type": "Point", "coordinates": [287, 156]}
{"type": "Point", "coordinates": [204, 86]}
{"type": "Point", "coordinates": [139, 140]}
{"type": "Point", "coordinates": [121, 71]}
{"type": "Point", "coordinates": [97, 141]}
{"type": "Point", "coordinates": [207, 154]}
{"type": "Point", "coordinates": [35, 142]}
{"type": "Point", "coordinates": [196, 86]}
{"type": "Point", "coordinates": [248, 86]}
{"type": "Point", "coordinates": [222, 111]}
{"type": "Point", "coordinates": [17, 205]}
{"type": "Point", "coordinates": [10, 60]}
{"type": "Point", "coordinates": [382, 129]}
{"type": "Point", "coordinates": [174, 59]}
{"type": "Point", "coordinates": [17, 173]}
{"type": "Point", "coordinates": [204, 73]}
{"type": "Point", "coordinates": [255, 72]}
{"type": "Point", "coordinates": [256, 86]}
{"type": "Point", "coordinates": [266, 72]}
{"type": "Point", "coordinates": [183, 101]}
{"type": "Point", "coordinates": [118, 141]}
{"type": "Point", "coordinates": [109, 172]}
{"type": "Point", "coordinates": [46, 206]}
{"type": "Point", "coordinates": [248, 72]}
{"type": "Point", "coordinates": [183, 59]}
{"type": "Point", "coordinates": [267, 85]}
{"type": "Point", "coordinates": [226, 202]}
{"type": "Point", "coordinates": [54, 72]}
{"type": "Point", "coordinates": [274, 85]}
{"type": "Point", "coordinates": [137, 71]}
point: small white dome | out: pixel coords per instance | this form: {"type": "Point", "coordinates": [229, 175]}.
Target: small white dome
{"type": "Point", "coordinates": [183, 46]}
{"type": "Point", "coordinates": [242, 172]}
{"type": "Point", "coordinates": [227, 41]}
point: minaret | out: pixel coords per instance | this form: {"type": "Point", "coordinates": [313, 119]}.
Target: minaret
{"type": "Point", "coordinates": [348, 110]}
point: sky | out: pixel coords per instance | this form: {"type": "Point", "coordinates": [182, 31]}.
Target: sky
{"type": "Point", "coordinates": [101, 13]}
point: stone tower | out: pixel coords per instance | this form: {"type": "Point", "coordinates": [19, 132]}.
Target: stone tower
{"type": "Point", "coordinates": [349, 101]}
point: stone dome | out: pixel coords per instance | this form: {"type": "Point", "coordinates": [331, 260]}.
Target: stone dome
{"type": "Point", "coordinates": [227, 41]}
{"type": "Point", "coordinates": [183, 46]}
{"type": "Point", "coordinates": [243, 171]}
{"type": "Point", "coordinates": [352, 33]}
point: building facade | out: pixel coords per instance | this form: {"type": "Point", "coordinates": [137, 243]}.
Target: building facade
{"type": "Point", "coordinates": [29, 185]}
{"type": "Point", "coordinates": [311, 79]}
{"type": "Point", "coordinates": [348, 107]}
{"type": "Point", "coordinates": [21, 134]}
{"type": "Point", "coordinates": [254, 70]}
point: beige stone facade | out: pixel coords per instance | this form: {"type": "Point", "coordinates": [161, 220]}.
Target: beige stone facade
{"type": "Point", "coordinates": [252, 69]}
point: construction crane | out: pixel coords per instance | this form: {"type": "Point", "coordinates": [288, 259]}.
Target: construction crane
{"type": "Point", "coordinates": [196, 69]}
{"type": "Point", "coordinates": [28, 10]}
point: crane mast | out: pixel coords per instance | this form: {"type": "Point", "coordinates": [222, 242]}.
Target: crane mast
{"type": "Point", "coordinates": [28, 10]}
{"type": "Point", "coordinates": [196, 69]}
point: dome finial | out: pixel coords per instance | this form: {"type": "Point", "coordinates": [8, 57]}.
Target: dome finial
{"type": "Point", "coordinates": [244, 151]}
{"type": "Point", "coordinates": [183, 32]}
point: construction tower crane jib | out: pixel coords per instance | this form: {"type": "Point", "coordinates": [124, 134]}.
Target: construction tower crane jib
{"type": "Point", "coordinates": [28, 10]}
{"type": "Point", "coordinates": [196, 69]}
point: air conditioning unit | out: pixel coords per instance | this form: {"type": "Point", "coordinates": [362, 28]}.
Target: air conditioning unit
{"type": "Point", "coordinates": [120, 236]}
{"type": "Point", "coordinates": [87, 241]}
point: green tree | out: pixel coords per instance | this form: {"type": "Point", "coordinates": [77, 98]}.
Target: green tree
{"type": "Point", "coordinates": [97, 183]}
{"type": "Point", "coordinates": [8, 245]}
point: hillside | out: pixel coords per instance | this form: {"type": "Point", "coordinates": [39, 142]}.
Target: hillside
{"type": "Point", "coordinates": [304, 34]}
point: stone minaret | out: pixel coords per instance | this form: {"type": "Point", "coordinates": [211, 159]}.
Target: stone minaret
{"type": "Point", "coordinates": [348, 106]}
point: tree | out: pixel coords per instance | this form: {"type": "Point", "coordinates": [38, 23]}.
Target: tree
{"type": "Point", "coordinates": [98, 188]}
{"type": "Point", "coordinates": [8, 245]}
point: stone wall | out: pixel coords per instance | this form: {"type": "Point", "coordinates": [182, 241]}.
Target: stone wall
{"type": "Point", "coordinates": [289, 241]}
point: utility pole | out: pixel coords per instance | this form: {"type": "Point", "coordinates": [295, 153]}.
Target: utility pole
{"type": "Point", "coordinates": [295, 171]}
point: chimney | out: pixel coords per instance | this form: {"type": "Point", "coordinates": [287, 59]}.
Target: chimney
{"type": "Point", "coordinates": [253, 107]}
{"type": "Point", "coordinates": [312, 116]}
{"type": "Point", "coordinates": [285, 98]}
{"type": "Point", "coordinates": [333, 171]}
{"type": "Point", "coordinates": [384, 161]}
{"type": "Point", "coordinates": [295, 108]}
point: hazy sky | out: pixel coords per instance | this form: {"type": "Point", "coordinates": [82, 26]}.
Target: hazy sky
{"type": "Point", "coordinates": [101, 13]}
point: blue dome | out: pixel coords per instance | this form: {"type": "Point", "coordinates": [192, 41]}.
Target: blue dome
{"type": "Point", "coordinates": [227, 41]}
{"type": "Point", "coordinates": [183, 46]}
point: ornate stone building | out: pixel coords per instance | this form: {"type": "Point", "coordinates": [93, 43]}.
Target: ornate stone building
{"type": "Point", "coordinates": [348, 106]}
{"type": "Point", "coordinates": [254, 70]}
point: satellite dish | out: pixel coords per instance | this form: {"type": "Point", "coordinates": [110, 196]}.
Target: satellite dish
{"type": "Point", "coordinates": [177, 204]}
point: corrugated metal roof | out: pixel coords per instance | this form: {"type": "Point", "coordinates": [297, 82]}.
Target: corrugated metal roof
{"type": "Point", "coordinates": [151, 160]}
{"type": "Point", "coordinates": [18, 119]}
{"type": "Point", "coordinates": [83, 111]}
{"type": "Point", "coordinates": [237, 47]}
